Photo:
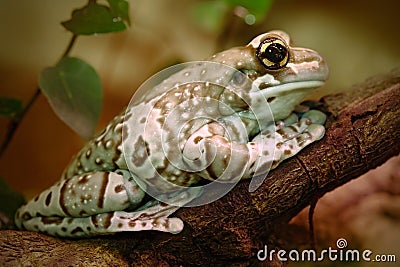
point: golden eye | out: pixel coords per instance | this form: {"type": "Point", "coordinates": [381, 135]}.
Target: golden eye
{"type": "Point", "coordinates": [273, 53]}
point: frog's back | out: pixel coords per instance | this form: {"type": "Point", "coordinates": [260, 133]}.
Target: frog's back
{"type": "Point", "coordinates": [102, 153]}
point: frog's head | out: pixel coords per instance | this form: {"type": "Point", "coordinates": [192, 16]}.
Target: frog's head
{"type": "Point", "coordinates": [290, 73]}
{"type": "Point", "coordinates": [284, 74]}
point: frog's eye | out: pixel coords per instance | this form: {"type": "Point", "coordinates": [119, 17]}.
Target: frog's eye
{"type": "Point", "coordinates": [273, 53]}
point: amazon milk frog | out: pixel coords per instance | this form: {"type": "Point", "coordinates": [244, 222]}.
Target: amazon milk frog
{"type": "Point", "coordinates": [103, 189]}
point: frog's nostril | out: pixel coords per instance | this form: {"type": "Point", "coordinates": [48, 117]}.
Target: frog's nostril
{"type": "Point", "coordinates": [270, 99]}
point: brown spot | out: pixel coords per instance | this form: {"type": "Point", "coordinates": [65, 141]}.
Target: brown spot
{"type": "Point", "coordinates": [141, 152]}
{"type": "Point", "coordinates": [64, 229]}
{"type": "Point", "coordinates": [70, 220]}
{"type": "Point", "coordinates": [279, 145]}
{"type": "Point", "coordinates": [77, 230]}
{"type": "Point", "coordinates": [36, 198]}
{"type": "Point", "coordinates": [197, 139]}
{"type": "Point", "coordinates": [161, 120]}
{"type": "Point", "coordinates": [99, 161]}
{"type": "Point", "coordinates": [94, 220]}
{"type": "Point", "coordinates": [265, 153]}
{"type": "Point", "coordinates": [262, 85]}
{"type": "Point", "coordinates": [132, 223]}
{"type": "Point", "coordinates": [48, 199]}
{"type": "Point", "coordinates": [294, 129]}
{"type": "Point", "coordinates": [119, 188]}
{"type": "Point", "coordinates": [52, 220]}
{"type": "Point", "coordinates": [62, 200]}
{"type": "Point", "coordinates": [283, 133]}
{"type": "Point", "coordinates": [155, 222]}
{"type": "Point", "coordinates": [275, 163]}
{"type": "Point", "coordinates": [117, 151]}
{"type": "Point", "coordinates": [105, 220]}
{"type": "Point", "coordinates": [83, 213]}
{"type": "Point", "coordinates": [120, 225]}
{"type": "Point", "coordinates": [142, 120]}
{"type": "Point", "coordinates": [88, 153]}
{"type": "Point", "coordinates": [144, 224]}
{"type": "Point", "coordinates": [287, 152]}
{"type": "Point", "coordinates": [84, 179]}
{"type": "Point", "coordinates": [88, 229]}
{"type": "Point", "coordinates": [26, 216]}
{"type": "Point", "coordinates": [143, 216]}
{"type": "Point", "coordinates": [102, 190]}
{"type": "Point", "coordinates": [270, 99]}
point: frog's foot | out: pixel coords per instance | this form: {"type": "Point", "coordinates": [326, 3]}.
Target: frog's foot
{"type": "Point", "coordinates": [291, 136]}
{"type": "Point", "coordinates": [316, 117]}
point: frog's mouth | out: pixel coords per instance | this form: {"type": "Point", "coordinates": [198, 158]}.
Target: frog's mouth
{"type": "Point", "coordinates": [290, 87]}
{"type": "Point", "coordinates": [282, 98]}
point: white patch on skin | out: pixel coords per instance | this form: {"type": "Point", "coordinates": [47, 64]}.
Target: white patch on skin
{"type": "Point", "coordinates": [256, 41]}
{"type": "Point", "coordinates": [296, 67]}
{"type": "Point", "coordinates": [267, 79]}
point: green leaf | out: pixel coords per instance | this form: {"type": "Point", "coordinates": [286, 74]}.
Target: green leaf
{"type": "Point", "coordinates": [10, 201]}
{"type": "Point", "coordinates": [210, 15]}
{"type": "Point", "coordinates": [73, 89]}
{"type": "Point", "coordinates": [95, 19]}
{"type": "Point", "coordinates": [257, 8]}
{"type": "Point", "coordinates": [9, 107]}
{"type": "Point", "coordinates": [120, 8]}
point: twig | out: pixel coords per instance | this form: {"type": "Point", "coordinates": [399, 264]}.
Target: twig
{"type": "Point", "coordinates": [15, 122]}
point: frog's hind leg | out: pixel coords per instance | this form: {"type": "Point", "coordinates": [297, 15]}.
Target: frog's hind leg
{"type": "Point", "coordinates": [151, 218]}
{"type": "Point", "coordinates": [78, 197]}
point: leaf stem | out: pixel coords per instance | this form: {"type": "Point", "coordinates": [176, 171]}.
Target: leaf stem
{"type": "Point", "coordinates": [15, 122]}
{"type": "Point", "coordinates": [69, 47]}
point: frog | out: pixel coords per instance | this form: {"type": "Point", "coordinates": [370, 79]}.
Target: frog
{"type": "Point", "coordinates": [106, 188]}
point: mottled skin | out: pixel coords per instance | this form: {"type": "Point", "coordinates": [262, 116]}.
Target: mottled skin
{"type": "Point", "coordinates": [163, 145]}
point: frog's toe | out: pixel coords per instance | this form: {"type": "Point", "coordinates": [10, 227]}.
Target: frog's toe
{"type": "Point", "coordinates": [315, 116]}
{"type": "Point", "coordinates": [128, 222]}
{"type": "Point", "coordinates": [291, 119]}
{"type": "Point", "coordinates": [314, 132]}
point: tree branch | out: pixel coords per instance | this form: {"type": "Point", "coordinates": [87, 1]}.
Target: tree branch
{"type": "Point", "coordinates": [363, 131]}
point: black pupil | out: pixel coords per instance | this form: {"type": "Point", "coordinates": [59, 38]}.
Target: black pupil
{"type": "Point", "coordinates": [275, 53]}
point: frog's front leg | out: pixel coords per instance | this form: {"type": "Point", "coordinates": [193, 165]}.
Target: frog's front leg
{"type": "Point", "coordinates": [219, 158]}
{"type": "Point", "coordinates": [94, 203]}
{"type": "Point", "coordinates": [293, 135]}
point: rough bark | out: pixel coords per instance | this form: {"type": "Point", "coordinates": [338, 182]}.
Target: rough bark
{"type": "Point", "coordinates": [363, 131]}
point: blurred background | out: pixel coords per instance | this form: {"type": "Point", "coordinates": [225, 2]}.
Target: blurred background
{"type": "Point", "coordinates": [358, 39]}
